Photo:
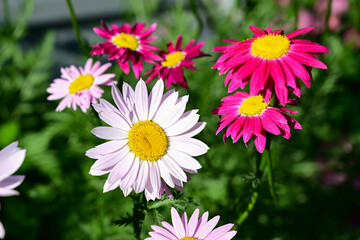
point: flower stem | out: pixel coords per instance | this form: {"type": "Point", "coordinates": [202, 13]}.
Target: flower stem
{"type": "Point", "coordinates": [138, 214]}
{"type": "Point", "coordinates": [328, 12]}
{"type": "Point", "coordinates": [267, 155]}
{"type": "Point", "coordinates": [6, 12]}
{"type": "Point", "coordinates": [84, 47]}
{"type": "Point", "coordinates": [193, 8]}
{"type": "Point", "coordinates": [262, 160]}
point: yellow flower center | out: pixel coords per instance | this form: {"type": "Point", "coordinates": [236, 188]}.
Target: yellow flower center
{"type": "Point", "coordinates": [270, 46]}
{"type": "Point", "coordinates": [253, 105]}
{"type": "Point", "coordinates": [81, 83]}
{"type": "Point", "coordinates": [173, 59]}
{"type": "Point", "coordinates": [188, 238]}
{"type": "Point", "coordinates": [125, 40]}
{"type": "Point", "coordinates": [148, 140]}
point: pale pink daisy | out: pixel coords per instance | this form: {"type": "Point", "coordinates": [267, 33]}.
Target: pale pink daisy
{"type": "Point", "coordinates": [197, 228]}
{"type": "Point", "coordinates": [170, 69]}
{"type": "Point", "coordinates": [270, 61]}
{"type": "Point", "coordinates": [247, 116]}
{"type": "Point", "coordinates": [11, 158]}
{"type": "Point", "coordinates": [151, 141]}
{"type": "Point", "coordinates": [126, 43]}
{"type": "Point", "coordinates": [80, 86]}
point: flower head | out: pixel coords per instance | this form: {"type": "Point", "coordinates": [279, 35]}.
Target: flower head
{"type": "Point", "coordinates": [79, 86]}
{"type": "Point", "coordinates": [194, 229]}
{"type": "Point", "coordinates": [170, 67]}
{"type": "Point", "coordinates": [270, 61]}
{"type": "Point", "coordinates": [151, 140]}
{"type": "Point", "coordinates": [247, 116]}
{"type": "Point", "coordinates": [11, 158]}
{"type": "Point", "coordinates": [126, 43]}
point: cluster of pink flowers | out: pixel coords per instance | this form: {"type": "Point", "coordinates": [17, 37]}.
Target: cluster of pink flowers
{"type": "Point", "coordinates": [128, 45]}
{"type": "Point", "coordinates": [271, 63]}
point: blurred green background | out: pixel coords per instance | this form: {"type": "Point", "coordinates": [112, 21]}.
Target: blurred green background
{"type": "Point", "coordinates": [317, 171]}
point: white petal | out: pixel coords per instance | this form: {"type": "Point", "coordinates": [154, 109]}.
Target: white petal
{"type": "Point", "coordinates": [122, 168]}
{"type": "Point", "coordinates": [105, 148]}
{"type": "Point", "coordinates": [141, 100]}
{"type": "Point", "coordinates": [114, 120]}
{"type": "Point", "coordinates": [110, 133]}
{"type": "Point", "coordinates": [164, 172]}
{"type": "Point", "coordinates": [119, 100]}
{"type": "Point", "coordinates": [155, 98]}
{"type": "Point", "coordinates": [207, 228]}
{"type": "Point", "coordinates": [190, 146]}
{"type": "Point", "coordinates": [165, 106]}
{"type": "Point", "coordinates": [177, 223]}
{"type": "Point", "coordinates": [193, 222]}
{"type": "Point", "coordinates": [11, 161]}
{"type": "Point", "coordinates": [142, 177]}
{"type": "Point", "coordinates": [174, 113]}
{"type": "Point", "coordinates": [174, 168]}
{"type": "Point", "coordinates": [130, 177]}
{"type": "Point", "coordinates": [186, 122]}
{"type": "Point", "coordinates": [184, 160]}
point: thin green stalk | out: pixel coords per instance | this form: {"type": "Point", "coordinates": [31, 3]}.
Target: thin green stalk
{"type": "Point", "coordinates": [84, 47]}
{"type": "Point", "coordinates": [138, 214]}
{"type": "Point", "coordinates": [295, 6]}
{"type": "Point", "coordinates": [197, 16]}
{"type": "Point", "coordinates": [6, 12]}
{"type": "Point", "coordinates": [328, 12]}
{"type": "Point", "coordinates": [260, 164]}
{"type": "Point", "coordinates": [267, 156]}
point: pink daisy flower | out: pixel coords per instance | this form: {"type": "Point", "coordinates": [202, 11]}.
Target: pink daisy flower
{"type": "Point", "coordinates": [247, 115]}
{"type": "Point", "coordinates": [170, 67]}
{"type": "Point", "coordinates": [151, 141]}
{"type": "Point", "coordinates": [11, 158]}
{"type": "Point", "coordinates": [79, 86]}
{"type": "Point", "coordinates": [194, 229]}
{"type": "Point", "coordinates": [126, 43]}
{"type": "Point", "coordinates": [270, 61]}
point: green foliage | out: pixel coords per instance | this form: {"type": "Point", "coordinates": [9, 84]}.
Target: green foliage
{"type": "Point", "coordinates": [60, 200]}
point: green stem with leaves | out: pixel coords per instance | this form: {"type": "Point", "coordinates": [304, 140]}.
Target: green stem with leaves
{"type": "Point", "coordinates": [262, 160]}
{"type": "Point", "coordinates": [139, 210]}
{"type": "Point", "coordinates": [84, 47]}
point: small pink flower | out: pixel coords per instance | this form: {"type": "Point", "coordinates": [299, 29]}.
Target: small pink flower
{"type": "Point", "coordinates": [197, 228]}
{"type": "Point", "coordinates": [79, 86]}
{"type": "Point", "coordinates": [126, 43]}
{"type": "Point", "coordinates": [269, 61]}
{"type": "Point", "coordinates": [11, 158]}
{"type": "Point", "coordinates": [170, 68]}
{"type": "Point", "coordinates": [247, 115]}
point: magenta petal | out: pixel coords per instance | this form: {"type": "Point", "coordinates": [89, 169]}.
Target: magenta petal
{"type": "Point", "coordinates": [279, 81]}
{"type": "Point", "coordinates": [257, 31]}
{"type": "Point", "coordinates": [299, 32]}
{"type": "Point", "coordinates": [308, 59]}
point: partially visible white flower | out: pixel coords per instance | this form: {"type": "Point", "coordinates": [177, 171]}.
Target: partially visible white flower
{"type": "Point", "coordinates": [11, 158]}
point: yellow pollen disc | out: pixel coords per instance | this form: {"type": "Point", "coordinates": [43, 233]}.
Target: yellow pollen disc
{"type": "Point", "coordinates": [81, 83]}
{"type": "Point", "coordinates": [173, 59]}
{"type": "Point", "coordinates": [125, 40]}
{"type": "Point", "coordinates": [253, 105]}
{"type": "Point", "coordinates": [271, 46]}
{"type": "Point", "coordinates": [188, 238]}
{"type": "Point", "coordinates": [148, 140]}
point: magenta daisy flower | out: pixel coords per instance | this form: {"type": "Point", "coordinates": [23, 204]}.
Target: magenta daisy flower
{"type": "Point", "coordinates": [151, 141]}
{"type": "Point", "coordinates": [79, 86]}
{"type": "Point", "coordinates": [170, 67]}
{"type": "Point", "coordinates": [126, 43]}
{"type": "Point", "coordinates": [247, 116]}
{"type": "Point", "coordinates": [194, 229]}
{"type": "Point", "coordinates": [11, 158]}
{"type": "Point", "coordinates": [270, 61]}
